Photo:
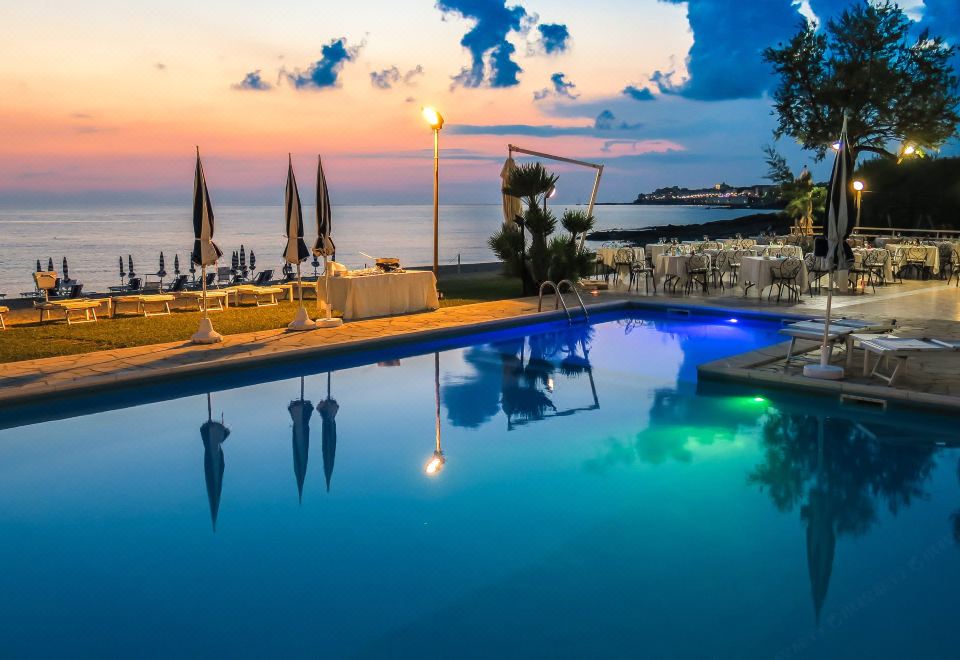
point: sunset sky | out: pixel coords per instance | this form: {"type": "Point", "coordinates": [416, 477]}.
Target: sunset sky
{"type": "Point", "coordinates": [104, 101]}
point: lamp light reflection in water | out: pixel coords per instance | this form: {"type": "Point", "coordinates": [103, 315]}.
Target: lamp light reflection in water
{"type": "Point", "coordinates": [436, 462]}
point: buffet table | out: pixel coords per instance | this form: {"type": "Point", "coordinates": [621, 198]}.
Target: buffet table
{"type": "Point", "coordinates": [383, 294]}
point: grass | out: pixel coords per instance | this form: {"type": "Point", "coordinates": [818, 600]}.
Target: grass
{"type": "Point", "coordinates": [34, 340]}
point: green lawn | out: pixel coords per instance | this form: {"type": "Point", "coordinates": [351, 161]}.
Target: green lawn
{"type": "Point", "coordinates": [30, 341]}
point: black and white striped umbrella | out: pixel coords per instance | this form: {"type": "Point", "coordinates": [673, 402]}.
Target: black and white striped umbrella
{"type": "Point", "coordinates": [176, 264]}
{"type": "Point", "coordinates": [213, 434]}
{"type": "Point", "coordinates": [324, 245]}
{"type": "Point", "coordinates": [253, 259]}
{"type": "Point", "coordinates": [205, 251]}
{"type": "Point", "coordinates": [122, 272]}
{"type": "Point", "coordinates": [49, 263]}
{"type": "Point", "coordinates": [243, 258]}
{"type": "Point", "coordinates": [234, 262]}
{"type": "Point", "coordinates": [300, 413]}
{"type": "Point", "coordinates": [38, 266]}
{"type": "Point", "coordinates": [66, 271]}
{"type": "Point", "coordinates": [328, 433]}
{"type": "Point", "coordinates": [130, 272]}
{"type": "Point", "coordinates": [841, 206]}
{"type": "Point", "coordinates": [296, 250]}
{"type": "Point", "coordinates": [161, 267]}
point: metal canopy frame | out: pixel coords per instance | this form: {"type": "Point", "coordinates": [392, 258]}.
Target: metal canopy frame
{"type": "Point", "coordinates": [512, 148]}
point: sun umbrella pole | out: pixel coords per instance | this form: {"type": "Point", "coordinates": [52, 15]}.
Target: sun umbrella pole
{"type": "Point", "coordinates": [203, 274]}
{"type": "Point", "coordinates": [326, 288]}
{"type": "Point", "coordinates": [824, 348]}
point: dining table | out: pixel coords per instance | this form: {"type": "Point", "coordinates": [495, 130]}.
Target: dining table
{"type": "Point", "coordinates": [932, 254]}
{"type": "Point", "coordinates": [758, 272]}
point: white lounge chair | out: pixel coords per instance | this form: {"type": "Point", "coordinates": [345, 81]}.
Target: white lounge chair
{"type": "Point", "coordinates": [142, 300]}
{"type": "Point", "coordinates": [839, 329]}
{"type": "Point", "coordinates": [3, 324]}
{"type": "Point", "coordinates": [900, 349]}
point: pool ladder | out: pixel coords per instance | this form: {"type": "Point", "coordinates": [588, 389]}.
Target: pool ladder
{"type": "Point", "coordinates": [559, 299]}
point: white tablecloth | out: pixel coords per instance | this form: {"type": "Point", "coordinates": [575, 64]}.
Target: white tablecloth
{"type": "Point", "coordinates": [858, 256]}
{"type": "Point", "coordinates": [609, 255]}
{"type": "Point", "coordinates": [933, 254]}
{"type": "Point", "coordinates": [676, 265]}
{"type": "Point", "coordinates": [381, 295]}
{"type": "Point", "coordinates": [757, 271]}
{"type": "Point", "coordinates": [784, 250]}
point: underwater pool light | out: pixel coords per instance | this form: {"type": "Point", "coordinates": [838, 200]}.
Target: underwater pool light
{"type": "Point", "coordinates": [733, 321]}
{"type": "Point", "coordinates": [759, 399]}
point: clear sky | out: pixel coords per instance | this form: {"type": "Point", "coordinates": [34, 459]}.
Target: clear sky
{"type": "Point", "coordinates": [105, 100]}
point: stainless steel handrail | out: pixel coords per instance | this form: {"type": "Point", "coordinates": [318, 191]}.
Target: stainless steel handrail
{"type": "Point", "coordinates": [583, 307]}
{"type": "Point", "coordinates": [559, 299]}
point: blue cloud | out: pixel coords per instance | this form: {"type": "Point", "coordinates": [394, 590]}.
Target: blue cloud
{"type": "Point", "coordinates": [387, 78]}
{"type": "Point", "coordinates": [325, 72]}
{"type": "Point", "coordinates": [607, 121]}
{"type": "Point", "coordinates": [637, 93]}
{"type": "Point", "coordinates": [605, 125]}
{"type": "Point", "coordinates": [253, 81]}
{"type": "Point", "coordinates": [554, 37]}
{"type": "Point", "coordinates": [560, 87]}
{"type": "Point", "coordinates": [942, 18]}
{"type": "Point", "coordinates": [728, 37]}
{"type": "Point", "coordinates": [487, 41]}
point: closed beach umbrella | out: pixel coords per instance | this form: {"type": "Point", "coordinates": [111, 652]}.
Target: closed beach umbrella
{"type": "Point", "coordinates": [324, 247]}
{"type": "Point", "coordinates": [243, 258]}
{"type": "Point", "coordinates": [38, 266]}
{"type": "Point", "coordinates": [213, 434]}
{"type": "Point", "coordinates": [49, 263]}
{"type": "Point", "coordinates": [253, 259]}
{"type": "Point", "coordinates": [176, 264]}
{"type": "Point", "coordinates": [328, 433]}
{"type": "Point", "coordinates": [122, 273]}
{"type": "Point", "coordinates": [300, 413]}
{"type": "Point", "coordinates": [839, 256]}
{"type": "Point", "coordinates": [511, 205]}
{"type": "Point", "coordinates": [234, 262]}
{"type": "Point", "coordinates": [66, 271]}
{"type": "Point", "coordinates": [296, 250]}
{"type": "Point", "coordinates": [161, 267]}
{"type": "Point", "coordinates": [205, 251]}
{"type": "Point", "coordinates": [130, 272]}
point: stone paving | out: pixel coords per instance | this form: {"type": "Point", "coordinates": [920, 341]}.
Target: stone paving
{"type": "Point", "coordinates": [921, 309]}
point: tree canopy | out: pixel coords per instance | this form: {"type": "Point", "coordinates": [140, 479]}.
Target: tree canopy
{"type": "Point", "coordinates": [895, 86]}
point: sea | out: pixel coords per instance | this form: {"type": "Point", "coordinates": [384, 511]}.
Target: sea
{"type": "Point", "coordinates": [93, 239]}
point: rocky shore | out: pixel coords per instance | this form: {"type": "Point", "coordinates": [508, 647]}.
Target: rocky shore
{"type": "Point", "coordinates": [750, 225]}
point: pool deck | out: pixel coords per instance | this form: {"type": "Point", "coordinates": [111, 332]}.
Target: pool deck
{"type": "Point", "coordinates": [921, 308]}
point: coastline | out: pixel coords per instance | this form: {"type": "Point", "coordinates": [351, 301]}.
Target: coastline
{"type": "Point", "coordinates": [748, 225]}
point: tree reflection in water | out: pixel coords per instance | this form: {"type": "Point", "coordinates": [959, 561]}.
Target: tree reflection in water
{"type": "Point", "coordinates": [838, 476]}
{"type": "Point", "coordinates": [517, 376]}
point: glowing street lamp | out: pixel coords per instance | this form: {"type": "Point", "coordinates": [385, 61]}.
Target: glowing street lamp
{"type": "Point", "coordinates": [435, 120]}
{"type": "Point", "coordinates": [436, 462]}
{"type": "Point", "coordinates": [858, 187]}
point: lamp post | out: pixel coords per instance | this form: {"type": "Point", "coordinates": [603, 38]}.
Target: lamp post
{"type": "Point", "coordinates": [435, 463]}
{"type": "Point", "coordinates": [858, 188]}
{"type": "Point", "coordinates": [435, 120]}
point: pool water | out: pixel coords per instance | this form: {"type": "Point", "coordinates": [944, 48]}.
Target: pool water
{"type": "Point", "coordinates": [589, 498]}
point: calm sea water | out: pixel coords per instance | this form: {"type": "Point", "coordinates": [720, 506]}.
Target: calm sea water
{"type": "Point", "coordinates": [93, 239]}
{"type": "Point", "coordinates": [594, 502]}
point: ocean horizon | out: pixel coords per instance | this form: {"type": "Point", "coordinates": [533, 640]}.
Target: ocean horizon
{"type": "Point", "coordinates": [93, 238]}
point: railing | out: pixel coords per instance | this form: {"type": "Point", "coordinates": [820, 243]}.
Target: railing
{"type": "Point", "coordinates": [558, 300]}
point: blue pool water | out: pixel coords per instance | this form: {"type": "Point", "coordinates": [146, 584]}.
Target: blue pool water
{"type": "Point", "coordinates": [593, 500]}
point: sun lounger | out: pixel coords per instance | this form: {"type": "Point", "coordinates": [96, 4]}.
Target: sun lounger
{"type": "Point", "coordinates": [900, 349]}
{"type": "Point", "coordinates": [141, 301]}
{"type": "Point", "coordinates": [214, 297]}
{"type": "Point", "coordinates": [88, 307]}
{"type": "Point", "coordinates": [840, 329]}
{"type": "Point", "coordinates": [3, 323]}
{"type": "Point", "coordinates": [246, 291]}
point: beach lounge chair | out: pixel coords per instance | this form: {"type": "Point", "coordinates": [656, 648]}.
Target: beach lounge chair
{"type": "Point", "coordinates": [142, 301]}
{"type": "Point", "coordinates": [215, 298]}
{"type": "Point", "coordinates": [178, 284]}
{"type": "Point", "coordinates": [257, 293]}
{"type": "Point", "coordinates": [263, 278]}
{"type": "Point", "coordinates": [840, 329]}
{"type": "Point", "coordinates": [3, 323]}
{"type": "Point", "coordinates": [899, 349]}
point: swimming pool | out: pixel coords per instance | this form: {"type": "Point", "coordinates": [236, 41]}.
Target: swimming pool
{"type": "Point", "coordinates": [589, 498]}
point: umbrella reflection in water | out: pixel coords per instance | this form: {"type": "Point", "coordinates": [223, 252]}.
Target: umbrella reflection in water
{"type": "Point", "coordinates": [300, 413]}
{"type": "Point", "coordinates": [328, 414]}
{"type": "Point", "coordinates": [214, 434]}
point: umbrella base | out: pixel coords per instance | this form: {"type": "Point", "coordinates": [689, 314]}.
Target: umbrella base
{"type": "Point", "coordinates": [206, 334]}
{"type": "Point", "coordinates": [329, 323]}
{"type": "Point", "coordinates": [301, 321]}
{"type": "Point", "coordinates": [823, 372]}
